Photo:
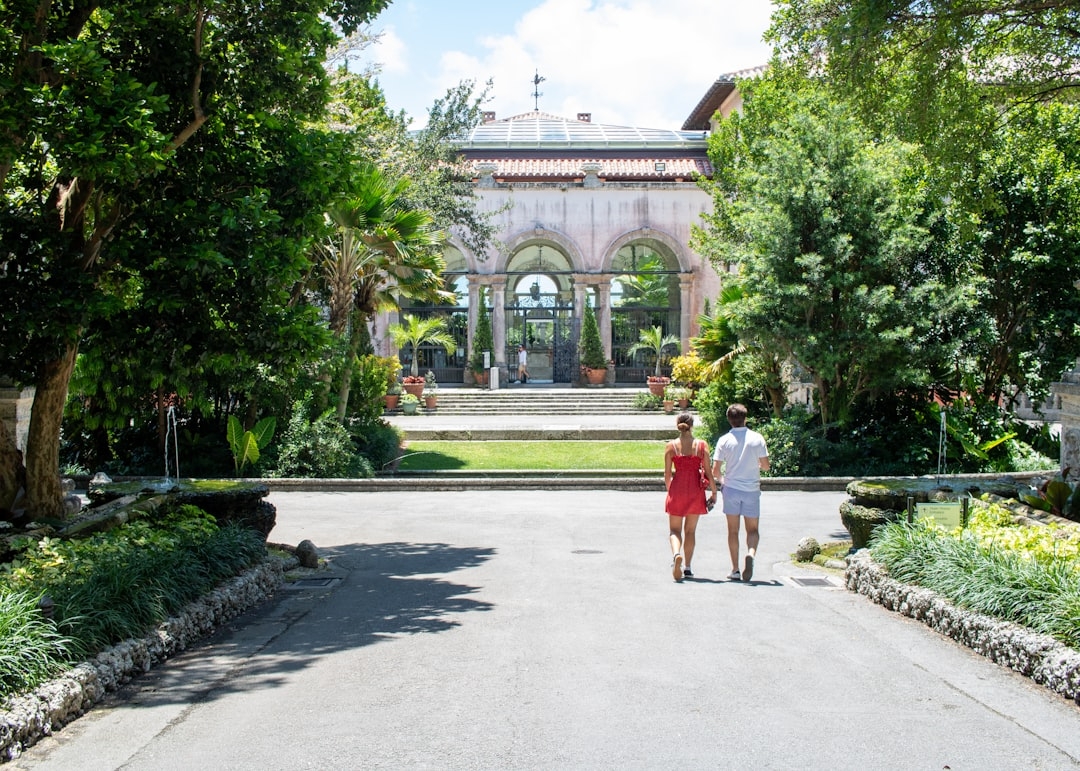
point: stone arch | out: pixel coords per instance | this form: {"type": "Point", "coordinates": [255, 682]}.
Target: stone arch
{"type": "Point", "coordinates": [537, 236]}
{"type": "Point", "coordinates": [672, 245]}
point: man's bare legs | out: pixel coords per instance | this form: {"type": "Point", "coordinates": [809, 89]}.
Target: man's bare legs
{"type": "Point", "coordinates": [752, 538]}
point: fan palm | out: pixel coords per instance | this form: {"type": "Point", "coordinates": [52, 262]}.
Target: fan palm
{"type": "Point", "coordinates": [414, 332]}
{"type": "Point", "coordinates": [654, 341]}
{"type": "Point", "coordinates": [380, 241]}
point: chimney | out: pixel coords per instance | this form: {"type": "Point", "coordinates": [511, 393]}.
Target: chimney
{"type": "Point", "coordinates": [488, 116]}
{"type": "Point", "coordinates": [585, 117]}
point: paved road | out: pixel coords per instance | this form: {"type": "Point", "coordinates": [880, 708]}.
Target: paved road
{"type": "Point", "coordinates": [506, 630]}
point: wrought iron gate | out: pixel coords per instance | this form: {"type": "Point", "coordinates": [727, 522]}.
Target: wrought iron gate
{"type": "Point", "coordinates": [547, 327]}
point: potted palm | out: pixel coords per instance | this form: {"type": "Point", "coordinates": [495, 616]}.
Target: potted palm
{"type": "Point", "coordinates": [414, 332]}
{"type": "Point", "coordinates": [654, 341]}
{"type": "Point", "coordinates": [591, 349]}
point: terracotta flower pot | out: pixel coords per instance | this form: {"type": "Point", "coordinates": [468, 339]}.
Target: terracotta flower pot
{"type": "Point", "coordinates": [416, 389]}
{"type": "Point", "coordinates": [595, 376]}
{"type": "Point", "coordinates": [391, 401]}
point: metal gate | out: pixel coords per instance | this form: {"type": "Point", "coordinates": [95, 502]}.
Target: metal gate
{"type": "Point", "coordinates": [548, 328]}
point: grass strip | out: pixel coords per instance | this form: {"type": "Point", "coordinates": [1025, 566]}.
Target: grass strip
{"type": "Point", "coordinates": [631, 455]}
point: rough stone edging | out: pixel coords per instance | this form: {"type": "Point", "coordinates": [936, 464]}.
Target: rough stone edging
{"type": "Point", "coordinates": [1048, 662]}
{"type": "Point", "coordinates": [27, 718]}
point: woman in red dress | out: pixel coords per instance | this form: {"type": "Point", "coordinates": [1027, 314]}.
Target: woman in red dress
{"type": "Point", "coordinates": [687, 473]}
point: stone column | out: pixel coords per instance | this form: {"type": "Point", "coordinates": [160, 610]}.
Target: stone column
{"type": "Point", "coordinates": [1069, 392]}
{"type": "Point", "coordinates": [15, 405]}
{"type": "Point", "coordinates": [498, 322]}
{"type": "Point", "coordinates": [686, 301]}
{"type": "Point", "coordinates": [603, 313]}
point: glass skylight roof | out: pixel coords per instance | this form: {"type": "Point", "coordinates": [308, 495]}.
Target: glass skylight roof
{"type": "Point", "coordinates": [536, 129]}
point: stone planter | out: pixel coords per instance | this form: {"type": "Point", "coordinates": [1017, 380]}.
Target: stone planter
{"type": "Point", "coordinates": [409, 408]}
{"type": "Point", "coordinates": [595, 376]}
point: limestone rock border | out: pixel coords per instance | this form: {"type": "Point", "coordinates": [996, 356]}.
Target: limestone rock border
{"type": "Point", "coordinates": [27, 718]}
{"type": "Point", "coordinates": [1048, 662]}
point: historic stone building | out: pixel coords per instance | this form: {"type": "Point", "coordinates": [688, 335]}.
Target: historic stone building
{"type": "Point", "coordinates": [586, 213]}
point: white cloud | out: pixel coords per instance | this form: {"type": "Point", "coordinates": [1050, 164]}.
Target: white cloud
{"type": "Point", "coordinates": [631, 62]}
{"type": "Point", "coordinates": [393, 54]}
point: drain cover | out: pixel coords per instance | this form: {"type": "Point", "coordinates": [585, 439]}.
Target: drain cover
{"type": "Point", "coordinates": [312, 583]}
{"type": "Point", "coordinates": [587, 551]}
{"type": "Point", "coordinates": [812, 581]}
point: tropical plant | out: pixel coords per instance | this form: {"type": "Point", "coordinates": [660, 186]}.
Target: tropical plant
{"type": "Point", "coordinates": [1056, 496]}
{"type": "Point", "coordinates": [414, 332]}
{"type": "Point", "coordinates": [380, 239]}
{"type": "Point", "coordinates": [482, 338]}
{"type": "Point", "coordinates": [689, 370]}
{"type": "Point", "coordinates": [654, 341]}
{"type": "Point", "coordinates": [319, 449]}
{"type": "Point", "coordinates": [246, 445]}
{"type": "Point", "coordinates": [590, 347]}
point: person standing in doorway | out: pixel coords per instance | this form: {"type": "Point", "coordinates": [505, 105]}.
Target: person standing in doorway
{"type": "Point", "coordinates": [523, 359]}
{"type": "Point", "coordinates": [739, 459]}
{"type": "Point", "coordinates": [686, 476]}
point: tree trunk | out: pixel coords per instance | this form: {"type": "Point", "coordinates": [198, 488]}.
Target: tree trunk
{"type": "Point", "coordinates": [358, 325]}
{"type": "Point", "coordinates": [12, 471]}
{"type": "Point", "coordinates": [44, 496]}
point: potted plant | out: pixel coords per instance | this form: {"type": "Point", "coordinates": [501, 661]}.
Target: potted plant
{"type": "Point", "coordinates": [393, 394]}
{"type": "Point", "coordinates": [409, 403]}
{"type": "Point", "coordinates": [413, 384]}
{"type": "Point", "coordinates": [657, 384]}
{"type": "Point", "coordinates": [482, 341]}
{"type": "Point", "coordinates": [678, 394]}
{"type": "Point", "coordinates": [654, 341]}
{"type": "Point", "coordinates": [414, 332]}
{"type": "Point", "coordinates": [591, 349]}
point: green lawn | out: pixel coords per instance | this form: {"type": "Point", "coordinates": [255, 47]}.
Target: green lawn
{"type": "Point", "coordinates": [560, 455]}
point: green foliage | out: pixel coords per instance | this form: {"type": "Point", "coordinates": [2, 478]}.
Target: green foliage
{"type": "Point", "coordinates": [31, 648]}
{"type": "Point", "coordinates": [689, 370]}
{"type": "Point", "coordinates": [646, 401]}
{"type": "Point", "coordinates": [590, 346]}
{"type": "Point", "coordinates": [654, 342]}
{"type": "Point", "coordinates": [245, 445]}
{"type": "Point", "coordinates": [379, 442]}
{"type": "Point", "coordinates": [319, 449]}
{"type": "Point", "coordinates": [831, 230]}
{"type": "Point", "coordinates": [119, 584]}
{"type": "Point", "coordinates": [985, 576]}
{"type": "Point", "coordinates": [414, 332]}
{"type": "Point", "coordinates": [482, 339]}
{"type": "Point", "coordinates": [1056, 496]}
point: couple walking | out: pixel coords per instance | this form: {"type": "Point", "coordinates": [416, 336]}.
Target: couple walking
{"type": "Point", "coordinates": [736, 468]}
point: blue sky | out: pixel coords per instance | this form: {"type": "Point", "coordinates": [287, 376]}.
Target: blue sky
{"type": "Point", "coordinates": [643, 63]}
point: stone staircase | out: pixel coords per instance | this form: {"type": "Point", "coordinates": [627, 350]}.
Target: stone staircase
{"type": "Point", "coordinates": [537, 400]}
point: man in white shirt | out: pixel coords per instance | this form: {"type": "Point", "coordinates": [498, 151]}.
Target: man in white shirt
{"type": "Point", "coordinates": [739, 459]}
{"type": "Point", "coordinates": [523, 359]}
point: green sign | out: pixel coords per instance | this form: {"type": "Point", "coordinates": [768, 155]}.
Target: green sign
{"type": "Point", "coordinates": [945, 514]}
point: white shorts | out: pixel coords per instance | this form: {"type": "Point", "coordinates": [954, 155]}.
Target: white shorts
{"type": "Point", "coordinates": [742, 502]}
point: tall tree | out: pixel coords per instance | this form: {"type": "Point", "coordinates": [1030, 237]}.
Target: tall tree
{"type": "Point", "coordinates": [1025, 247]}
{"type": "Point", "coordinates": [937, 71]}
{"type": "Point", "coordinates": [97, 99]}
{"type": "Point", "coordinates": [830, 229]}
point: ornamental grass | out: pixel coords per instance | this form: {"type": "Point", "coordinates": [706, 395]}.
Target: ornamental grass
{"type": "Point", "coordinates": [110, 587]}
{"type": "Point", "coordinates": [1029, 579]}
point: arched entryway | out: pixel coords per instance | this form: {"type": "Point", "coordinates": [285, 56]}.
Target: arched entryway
{"type": "Point", "coordinates": [645, 293]}
{"type": "Point", "coordinates": [448, 367]}
{"type": "Point", "coordinates": [538, 311]}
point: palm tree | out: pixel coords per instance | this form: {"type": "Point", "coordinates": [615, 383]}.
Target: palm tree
{"type": "Point", "coordinates": [415, 332]}
{"type": "Point", "coordinates": [379, 240]}
{"type": "Point", "coordinates": [654, 341]}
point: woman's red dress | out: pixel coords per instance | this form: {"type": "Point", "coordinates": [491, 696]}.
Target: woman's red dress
{"type": "Point", "coordinates": [686, 495]}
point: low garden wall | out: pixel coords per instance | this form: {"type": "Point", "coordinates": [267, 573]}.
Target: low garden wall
{"type": "Point", "coordinates": [26, 719]}
{"type": "Point", "coordinates": [1038, 656]}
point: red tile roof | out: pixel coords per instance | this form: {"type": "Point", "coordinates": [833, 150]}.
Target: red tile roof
{"type": "Point", "coordinates": [610, 168]}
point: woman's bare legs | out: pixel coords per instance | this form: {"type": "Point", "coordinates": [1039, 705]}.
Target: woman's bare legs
{"type": "Point", "coordinates": [689, 539]}
{"type": "Point", "coordinates": [675, 530]}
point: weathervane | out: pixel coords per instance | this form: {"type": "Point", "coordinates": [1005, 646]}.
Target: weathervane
{"type": "Point", "coordinates": [537, 93]}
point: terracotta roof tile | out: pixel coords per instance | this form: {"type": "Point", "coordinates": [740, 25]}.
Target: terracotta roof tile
{"type": "Point", "coordinates": [610, 168]}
